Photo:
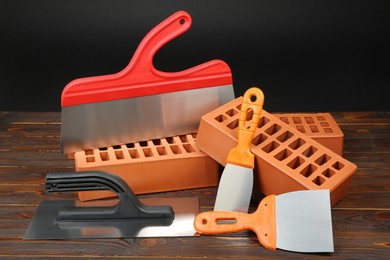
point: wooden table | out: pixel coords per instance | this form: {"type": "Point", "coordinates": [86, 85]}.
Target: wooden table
{"type": "Point", "coordinates": [29, 149]}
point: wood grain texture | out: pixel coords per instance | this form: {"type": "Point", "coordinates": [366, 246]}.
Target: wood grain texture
{"type": "Point", "coordinates": [29, 149]}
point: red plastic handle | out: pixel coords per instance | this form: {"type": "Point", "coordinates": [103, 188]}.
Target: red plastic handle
{"type": "Point", "coordinates": [140, 78]}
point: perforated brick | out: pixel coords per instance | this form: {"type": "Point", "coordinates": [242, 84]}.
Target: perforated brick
{"type": "Point", "coordinates": [286, 159]}
{"type": "Point", "coordinates": [321, 127]}
{"type": "Point", "coordinates": [166, 164]}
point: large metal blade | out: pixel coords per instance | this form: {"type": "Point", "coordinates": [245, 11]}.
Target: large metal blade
{"type": "Point", "coordinates": [130, 120]}
{"type": "Point", "coordinates": [45, 225]}
{"type": "Point", "coordinates": [304, 221]}
{"type": "Point", "coordinates": [235, 189]}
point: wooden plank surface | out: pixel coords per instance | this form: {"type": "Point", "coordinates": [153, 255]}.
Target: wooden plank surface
{"type": "Point", "coordinates": [29, 149]}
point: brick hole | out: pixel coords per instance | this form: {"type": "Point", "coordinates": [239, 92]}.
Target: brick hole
{"type": "Point", "coordinates": [270, 147]}
{"type": "Point", "coordinates": [238, 107]}
{"type": "Point", "coordinates": [90, 159]}
{"type": "Point", "coordinates": [297, 143]}
{"type": "Point", "coordinates": [220, 118]}
{"type": "Point", "coordinates": [189, 148]}
{"type": "Point", "coordinates": [328, 130]}
{"type": "Point", "coordinates": [284, 119]}
{"type": "Point", "coordinates": [233, 125]}
{"type": "Point", "coordinates": [338, 165]}
{"type": "Point", "coordinates": [231, 112]}
{"type": "Point", "coordinates": [194, 135]}
{"type": "Point", "coordinates": [321, 118]}
{"type": "Point", "coordinates": [170, 140]}
{"type": "Point", "coordinates": [273, 129]}
{"type": "Point", "coordinates": [134, 154]}
{"type": "Point", "coordinates": [161, 150]}
{"type": "Point", "coordinates": [308, 170]}
{"type": "Point", "coordinates": [262, 122]}
{"type": "Point", "coordinates": [300, 128]}
{"type": "Point", "coordinates": [296, 162]}
{"type": "Point", "coordinates": [309, 120]}
{"type": "Point", "coordinates": [131, 145]}
{"type": "Point", "coordinates": [324, 124]}
{"type": "Point", "coordinates": [183, 138]}
{"type": "Point", "coordinates": [156, 141]}
{"type": "Point", "coordinates": [88, 152]}
{"type": "Point", "coordinates": [328, 173]}
{"type": "Point", "coordinates": [285, 136]}
{"type": "Point", "coordinates": [116, 147]}
{"type": "Point", "coordinates": [259, 139]}
{"type": "Point", "coordinates": [119, 155]}
{"type": "Point", "coordinates": [314, 129]}
{"type": "Point", "coordinates": [104, 156]}
{"type": "Point", "coordinates": [147, 152]}
{"type": "Point", "coordinates": [309, 151]}
{"type": "Point", "coordinates": [319, 180]}
{"type": "Point", "coordinates": [322, 159]}
{"type": "Point", "coordinates": [175, 149]}
{"type": "Point", "coordinates": [297, 120]}
{"type": "Point", "coordinates": [143, 143]}
{"type": "Point", "coordinates": [283, 154]}
{"type": "Point", "coordinates": [103, 149]}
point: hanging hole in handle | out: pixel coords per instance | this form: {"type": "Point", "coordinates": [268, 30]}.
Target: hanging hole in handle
{"type": "Point", "coordinates": [182, 21]}
{"type": "Point", "coordinates": [204, 221]}
{"type": "Point", "coordinates": [253, 98]}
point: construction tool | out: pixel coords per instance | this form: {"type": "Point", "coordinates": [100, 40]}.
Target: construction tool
{"type": "Point", "coordinates": [298, 221]}
{"type": "Point", "coordinates": [140, 102]}
{"type": "Point", "coordinates": [235, 186]}
{"type": "Point", "coordinates": [129, 217]}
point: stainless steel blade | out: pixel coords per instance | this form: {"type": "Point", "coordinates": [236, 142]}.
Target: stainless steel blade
{"type": "Point", "coordinates": [304, 221]}
{"type": "Point", "coordinates": [45, 225]}
{"type": "Point", "coordinates": [235, 189]}
{"type": "Point", "coordinates": [130, 120]}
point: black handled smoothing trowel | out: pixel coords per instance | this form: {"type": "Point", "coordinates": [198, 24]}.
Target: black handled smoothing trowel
{"type": "Point", "coordinates": [129, 217]}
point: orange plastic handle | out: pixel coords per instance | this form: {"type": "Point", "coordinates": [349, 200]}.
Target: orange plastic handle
{"type": "Point", "coordinates": [241, 154]}
{"type": "Point", "coordinates": [262, 222]}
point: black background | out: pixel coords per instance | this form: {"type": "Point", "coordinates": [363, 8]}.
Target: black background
{"type": "Point", "coordinates": [312, 55]}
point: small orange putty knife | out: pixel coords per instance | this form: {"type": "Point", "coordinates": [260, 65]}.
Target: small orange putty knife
{"type": "Point", "coordinates": [298, 221]}
{"type": "Point", "coordinates": [236, 184]}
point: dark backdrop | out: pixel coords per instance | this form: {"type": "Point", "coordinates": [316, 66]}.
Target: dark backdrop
{"type": "Point", "coordinates": [306, 55]}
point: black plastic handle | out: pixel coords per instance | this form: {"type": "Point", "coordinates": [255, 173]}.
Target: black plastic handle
{"type": "Point", "coordinates": [129, 207]}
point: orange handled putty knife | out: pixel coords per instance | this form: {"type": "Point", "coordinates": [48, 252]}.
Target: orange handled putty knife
{"type": "Point", "coordinates": [235, 186]}
{"type": "Point", "coordinates": [298, 221]}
